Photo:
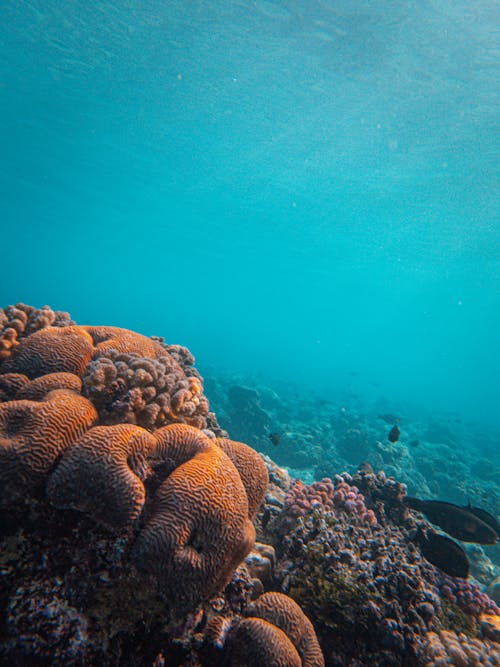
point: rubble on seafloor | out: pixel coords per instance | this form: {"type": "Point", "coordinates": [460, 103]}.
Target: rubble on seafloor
{"type": "Point", "coordinates": [147, 537]}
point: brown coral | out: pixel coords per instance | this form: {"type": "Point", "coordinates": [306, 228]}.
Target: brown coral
{"type": "Point", "coordinates": [36, 389]}
{"type": "Point", "coordinates": [199, 528]}
{"type": "Point", "coordinates": [18, 386]}
{"type": "Point", "coordinates": [123, 340]}
{"type": "Point", "coordinates": [254, 642]}
{"type": "Point", "coordinates": [102, 474]}
{"type": "Point", "coordinates": [22, 320]}
{"type": "Point", "coordinates": [285, 613]}
{"type": "Point", "coordinates": [11, 384]}
{"type": "Point", "coordinates": [51, 350]}
{"type": "Point", "coordinates": [127, 387]}
{"type": "Point", "coordinates": [252, 469]}
{"type": "Point", "coordinates": [34, 434]}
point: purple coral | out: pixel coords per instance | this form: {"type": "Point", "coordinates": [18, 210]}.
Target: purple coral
{"type": "Point", "coordinates": [346, 555]}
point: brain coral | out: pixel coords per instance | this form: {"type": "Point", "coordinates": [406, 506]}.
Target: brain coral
{"type": "Point", "coordinates": [22, 320]}
{"type": "Point", "coordinates": [122, 340]}
{"type": "Point", "coordinates": [253, 642]}
{"type": "Point", "coordinates": [199, 529]}
{"type": "Point", "coordinates": [34, 434]}
{"type": "Point", "coordinates": [285, 613]}
{"type": "Point", "coordinates": [252, 469]}
{"type": "Point", "coordinates": [168, 506]}
{"type": "Point", "coordinates": [11, 384]}
{"type": "Point", "coordinates": [102, 474]}
{"type": "Point", "coordinates": [51, 350]}
{"type": "Point", "coordinates": [36, 389]}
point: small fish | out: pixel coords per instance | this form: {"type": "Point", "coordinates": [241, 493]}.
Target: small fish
{"type": "Point", "coordinates": [365, 468]}
{"type": "Point", "coordinates": [444, 553]}
{"type": "Point", "coordinates": [275, 438]}
{"type": "Point", "coordinates": [390, 419]}
{"type": "Point", "coordinates": [457, 521]}
{"type": "Point", "coordinates": [414, 443]}
{"type": "Point", "coordinates": [394, 434]}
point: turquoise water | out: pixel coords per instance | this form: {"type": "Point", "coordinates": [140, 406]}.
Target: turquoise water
{"type": "Point", "coordinates": [303, 189]}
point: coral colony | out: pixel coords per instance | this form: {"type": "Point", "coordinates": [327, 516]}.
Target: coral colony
{"type": "Point", "coordinates": [135, 531]}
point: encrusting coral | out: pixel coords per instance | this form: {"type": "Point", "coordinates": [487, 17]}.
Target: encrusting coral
{"type": "Point", "coordinates": [346, 554]}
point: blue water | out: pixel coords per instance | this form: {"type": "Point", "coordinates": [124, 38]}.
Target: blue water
{"type": "Point", "coordinates": [304, 189]}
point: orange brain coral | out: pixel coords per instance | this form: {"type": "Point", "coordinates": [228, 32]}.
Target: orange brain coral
{"type": "Point", "coordinates": [254, 642]}
{"type": "Point", "coordinates": [33, 434]}
{"type": "Point", "coordinates": [11, 385]}
{"type": "Point", "coordinates": [36, 389]}
{"type": "Point", "coordinates": [252, 469]}
{"type": "Point", "coordinates": [51, 350]}
{"type": "Point", "coordinates": [285, 613]}
{"type": "Point", "coordinates": [123, 340]}
{"type": "Point", "coordinates": [102, 474]}
{"type": "Point", "coordinates": [199, 529]}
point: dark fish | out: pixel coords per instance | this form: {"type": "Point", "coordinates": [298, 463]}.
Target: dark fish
{"type": "Point", "coordinates": [414, 443]}
{"type": "Point", "coordinates": [365, 468]}
{"type": "Point", "coordinates": [389, 419]}
{"type": "Point", "coordinates": [275, 438]}
{"type": "Point", "coordinates": [394, 434]}
{"type": "Point", "coordinates": [457, 521]}
{"type": "Point", "coordinates": [484, 516]}
{"type": "Point", "coordinates": [444, 553]}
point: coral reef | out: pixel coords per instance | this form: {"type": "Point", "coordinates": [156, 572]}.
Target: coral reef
{"type": "Point", "coordinates": [346, 554]}
{"type": "Point", "coordinates": [128, 521]}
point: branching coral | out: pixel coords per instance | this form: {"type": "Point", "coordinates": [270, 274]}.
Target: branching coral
{"type": "Point", "coordinates": [347, 556]}
{"type": "Point", "coordinates": [135, 389]}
